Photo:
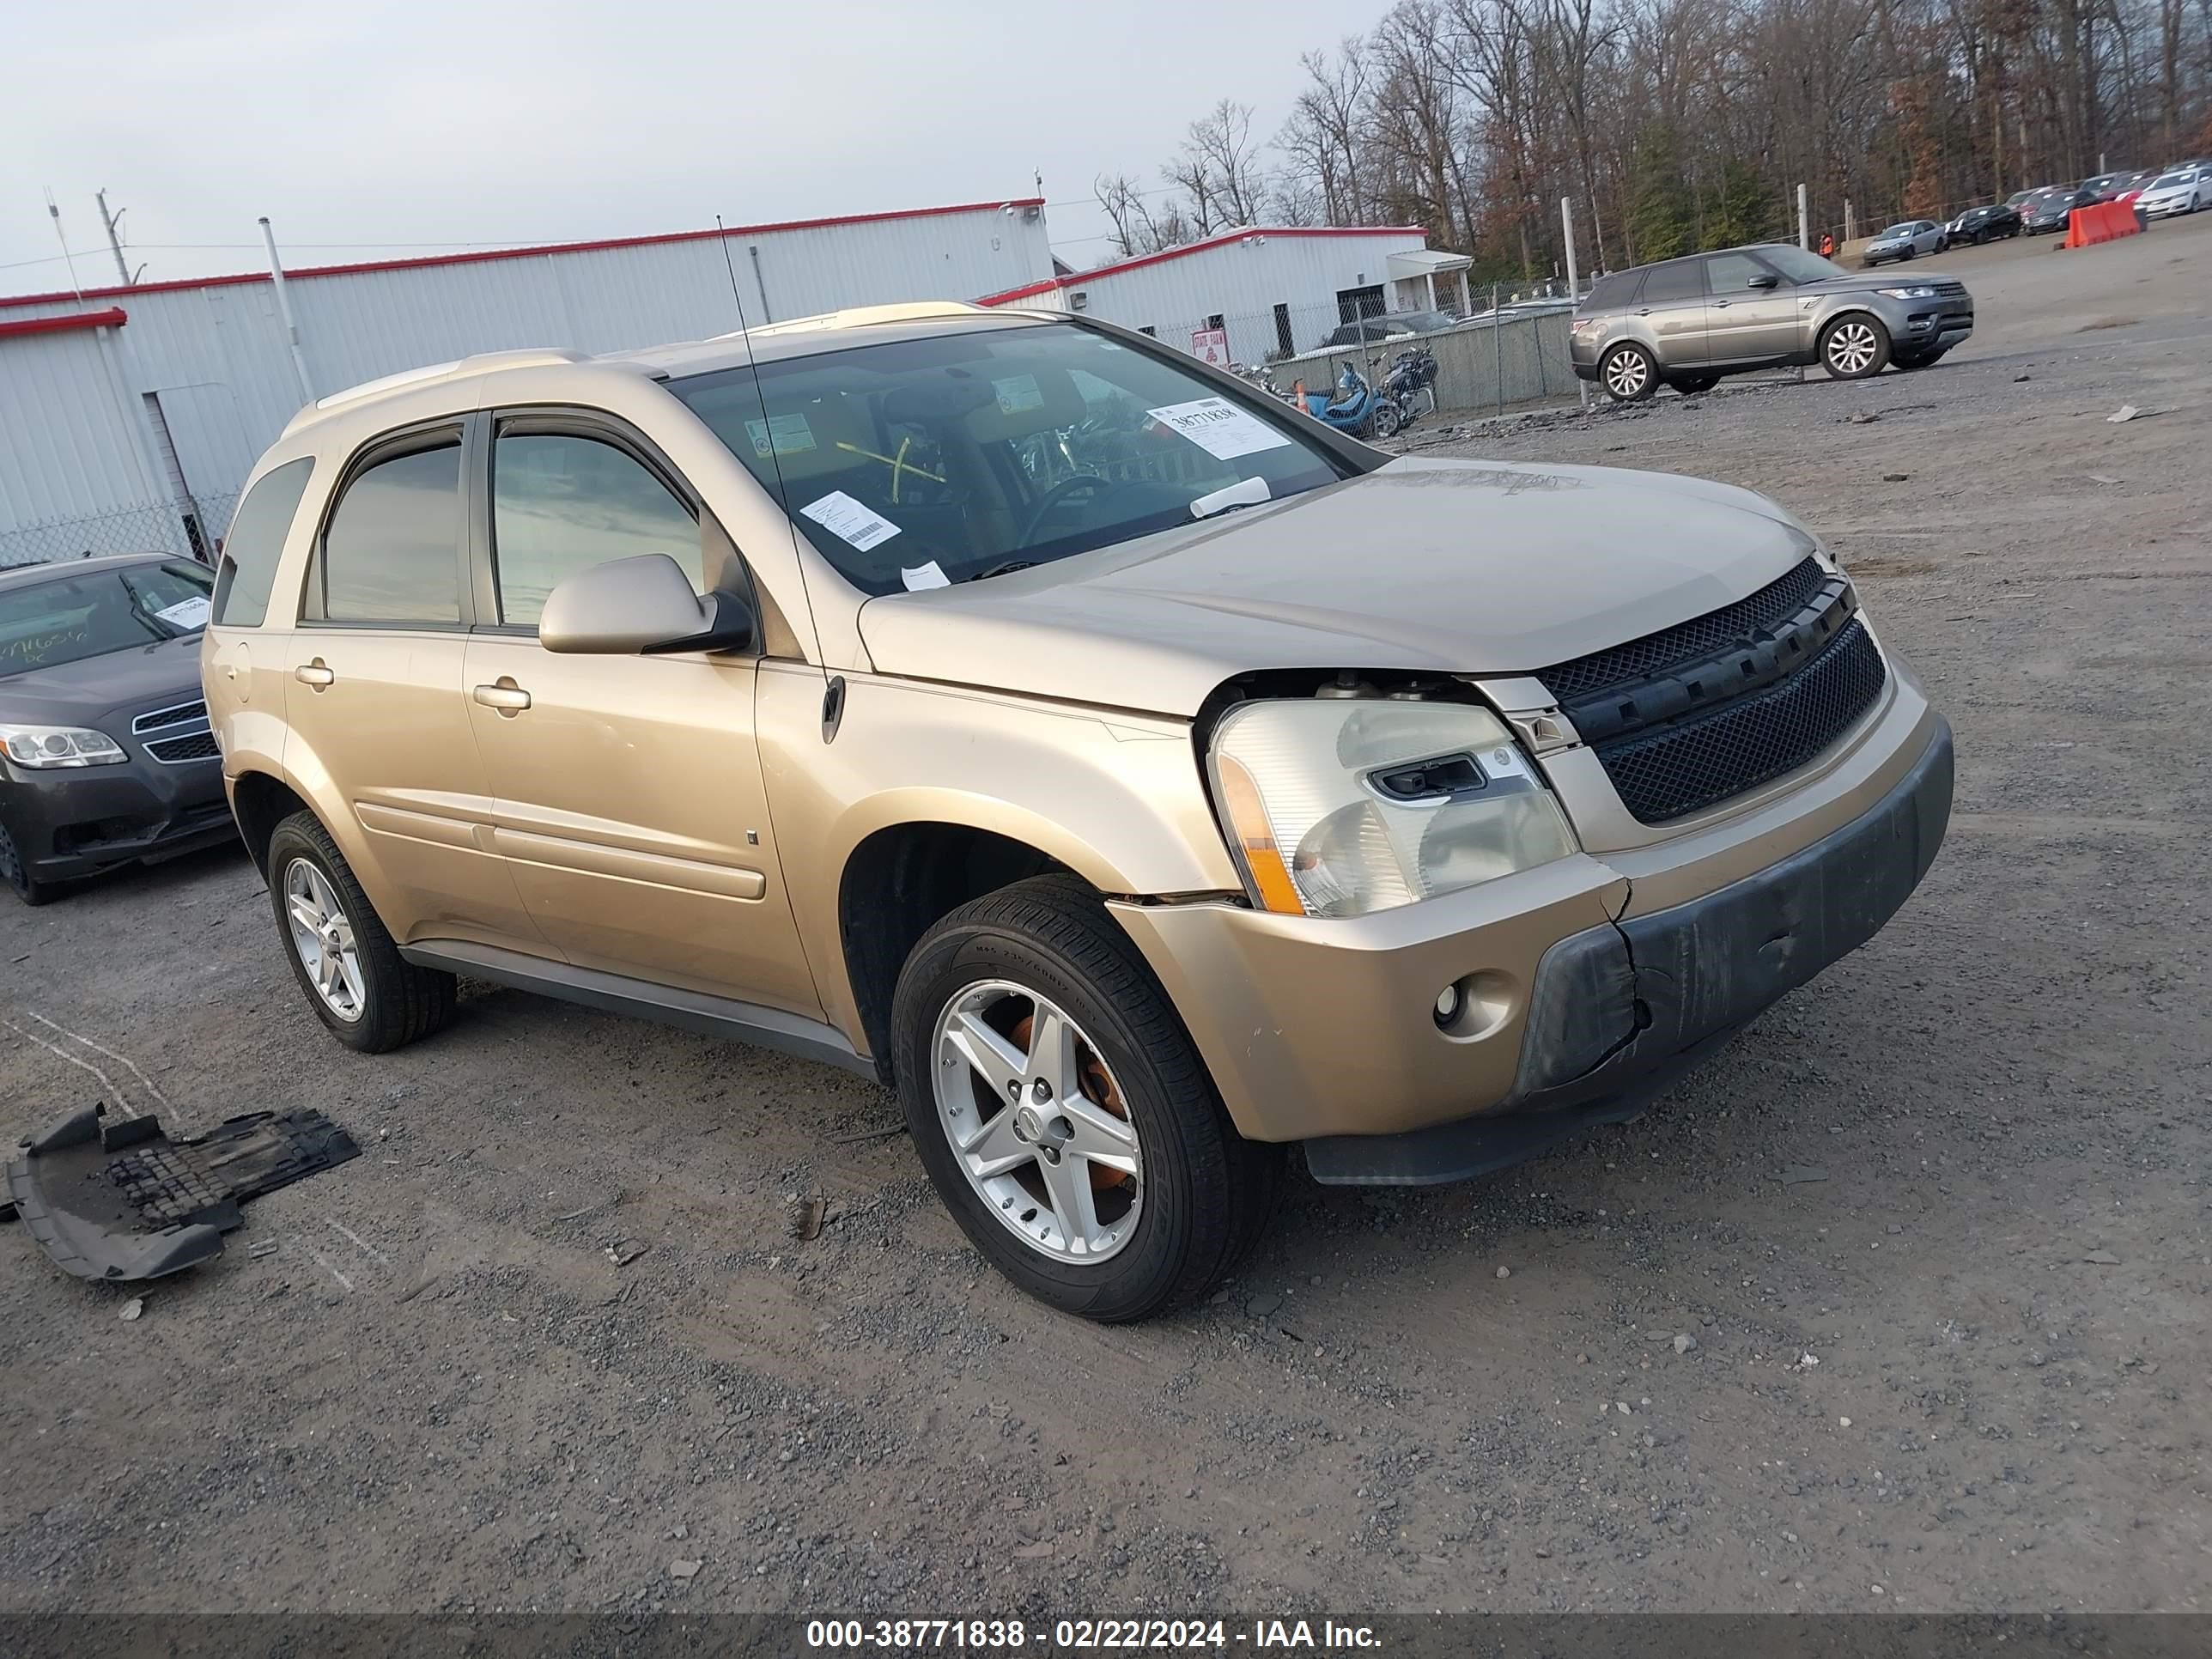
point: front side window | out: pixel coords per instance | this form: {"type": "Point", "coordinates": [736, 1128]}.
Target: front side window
{"type": "Point", "coordinates": [255, 543]}
{"type": "Point", "coordinates": [916, 463]}
{"type": "Point", "coordinates": [1796, 265]}
{"type": "Point", "coordinates": [1731, 273]}
{"type": "Point", "coordinates": [390, 552]}
{"type": "Point", "coordinates": [562, 504]}
{"type": "Point", "coordinates": [44, 624]}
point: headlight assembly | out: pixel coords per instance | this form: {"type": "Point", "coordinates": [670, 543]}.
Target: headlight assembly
{"type": "Point", "coordinates": [60, 745]}
{"type": "Point", "coordinates": [1341, 807]}
{"type": "Point", "coordinates": [1923, 292]}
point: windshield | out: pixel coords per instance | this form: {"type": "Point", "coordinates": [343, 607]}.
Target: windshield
{"type": "Point", "coordinates": [2169, 180]}
{"type": "Point", "coordinates": [94, 612]}
{"type": "Point", "coordinates": [911, 464]}
{"type": "Point", "coordinates": [1798, 266]}
{"type": "Point", "coordinates": [1897, 230]}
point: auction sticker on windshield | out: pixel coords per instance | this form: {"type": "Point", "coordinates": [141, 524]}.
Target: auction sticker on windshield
{"type": "Point", "coordinates": [186, 613]}
{"type": "Point", "coordinates": [856, 521]}
{"type": "Point", "coordinates": [1219, 428]}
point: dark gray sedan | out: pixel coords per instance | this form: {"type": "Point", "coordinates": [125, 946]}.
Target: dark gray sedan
{"type": "Point", "coordinates": [1687, 322]}
{"type": "Point", "coordinates": [1908, 240]}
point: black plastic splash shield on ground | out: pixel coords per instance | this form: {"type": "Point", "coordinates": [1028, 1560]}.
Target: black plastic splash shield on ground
{"type": "Point", "coordinates": [115, 1199]}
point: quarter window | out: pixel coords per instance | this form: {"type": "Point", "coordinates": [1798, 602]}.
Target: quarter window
{"type": "Point", "coordinates": [391, 552]}
{"type": "Point", "coordinates": [256, 541]}
{"type": "Point", "coordinates": [562, 504]}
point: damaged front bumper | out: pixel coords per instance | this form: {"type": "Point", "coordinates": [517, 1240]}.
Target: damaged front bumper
{"type": "Point", "coordinates": [1587, 985]}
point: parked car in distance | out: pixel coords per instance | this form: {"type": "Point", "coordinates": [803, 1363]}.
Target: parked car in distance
{"type": "Point", "coordinates": [2105, 185]}
{"type": "Point", "coordinates": [105, 757]}
{"type": "Point", "coordinates": [1905, 241]}
{"type": "Point", "coordinates": [2019, 197]}
{"type": "Point", "coordinates": [1985, 224]}
{"type": "Point", "coordinates": [1389, 325]}
{"type": "Point", "coordinates": [1687, 322]}
{"type": "Point", "coordinates": [2134, 185]}
{"type": "Point", "coordinates": [984, 701]}
{"type": "Point", "coordinates": [2185, 189]}
{"type": "Point", "coordinates": [2050, 210]}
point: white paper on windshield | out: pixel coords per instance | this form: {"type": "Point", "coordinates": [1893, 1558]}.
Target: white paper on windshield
{"type": "Point", "coordinates": [787, 435]}
{"type": "Point", "coordinates": [1250, 492]}
{"type": "Point", "coordinates": [1017, 393]}
{"type": "Point", "coordinates": [186, 613]}
{"type": "Point", "coordinates": [856, 521]}
{"type": "Point", "coordinates": [1219, 428]}
{"type": "Point", "coordinates": [928, 577]}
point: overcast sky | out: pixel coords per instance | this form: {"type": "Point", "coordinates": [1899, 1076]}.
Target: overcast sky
{"type": "Point", "coordinates": [386, 127]}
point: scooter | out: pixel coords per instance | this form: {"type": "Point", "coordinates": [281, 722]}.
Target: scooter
{"type": "Point", "coordinates": [1356, 407]}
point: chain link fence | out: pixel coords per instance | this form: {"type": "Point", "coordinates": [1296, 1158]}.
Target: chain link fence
{"type": "Point", "coordinates": [193, 530]}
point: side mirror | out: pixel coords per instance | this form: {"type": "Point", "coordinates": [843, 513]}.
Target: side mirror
{"type": "Point", "coordinates": [627, 607]}
{"type": "Point", "coordinates": [1764, 279]}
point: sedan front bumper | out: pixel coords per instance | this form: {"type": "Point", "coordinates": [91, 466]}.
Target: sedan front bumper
{"type": "Point", "coordinates": [77, 821]}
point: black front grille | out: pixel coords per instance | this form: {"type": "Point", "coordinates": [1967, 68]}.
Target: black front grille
{"type": "Point", "coordinates": [178, 714]}
{"type": "Point", "coordinates": [175, 750]}
{"type": "Point", "coordinates": [1671, 771]}
{"type": "Point", "coordinates": [1781, 599]}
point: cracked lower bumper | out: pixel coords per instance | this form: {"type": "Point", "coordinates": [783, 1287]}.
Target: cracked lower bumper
{"type": "Point", "coordinates": [1590, 983]}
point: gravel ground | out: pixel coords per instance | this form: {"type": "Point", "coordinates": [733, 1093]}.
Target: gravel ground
{"type": "Point", "coordinates": [1900, 1304]}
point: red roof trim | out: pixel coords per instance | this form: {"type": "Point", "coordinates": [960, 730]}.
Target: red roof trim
{"type": "Point", "coordinates": [306, 273]}
{"type": "Point", "coordinates": [113, 317]}
{"type": "Point", "coordinates": [1081, 277]}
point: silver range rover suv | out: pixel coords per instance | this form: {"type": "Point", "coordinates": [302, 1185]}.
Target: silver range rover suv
{"type": "Point", "coordinates": [1685, 323]}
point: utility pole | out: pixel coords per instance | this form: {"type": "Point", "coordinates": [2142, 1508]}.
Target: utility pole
{"type": "Point", "coordinates": [1804, 232]}
{"type": "Point", "coordinates": [69, 261]}
{"type": "Point", "coordinates": [1566, 225]}
{"type": "Point", "coordinates": [113, 223]}
{"type": "Point", "coordinates": [284, 312]}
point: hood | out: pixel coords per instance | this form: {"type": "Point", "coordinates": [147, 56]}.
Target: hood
{"type": "Point", "coordinates": [1427, 566]}
{"type": "Point", "coordinates": [81, 693]}
{"type": "Point", "coordinates": [1862, 282]}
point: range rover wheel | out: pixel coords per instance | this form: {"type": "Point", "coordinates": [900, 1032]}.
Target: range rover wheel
{"type": "Point", "coordinates": [356, 980]}
{"type": "Point", "coordinates": [1628, 373]}
{"type": "Point", "coordinates": [1853, 347]}
{"type": "Point", "coordinates": [1062, 1112]}
{"type": "Point", "coordinates": [19, 880]}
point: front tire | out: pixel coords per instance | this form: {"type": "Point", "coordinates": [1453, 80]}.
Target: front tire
{"type": "Point", "coordinates": [1063, 1113]}
{"type": "Point", "coordinates": [1854, 347]}
{"type": "Point", "coordinates": [1628, 373]}
{"type": "Point", "coordinates": [1385, 421]}
{"type": "Point", "coordinates": [370, 997]}
{"type": "Point", "coordinates": [17, 877]}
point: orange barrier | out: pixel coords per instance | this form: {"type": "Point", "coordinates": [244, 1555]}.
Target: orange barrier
{"type": "Point", "coordinates": [2101, 223]}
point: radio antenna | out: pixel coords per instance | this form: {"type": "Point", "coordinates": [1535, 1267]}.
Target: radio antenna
{"type": "Point", "coordinates": [768, 428]}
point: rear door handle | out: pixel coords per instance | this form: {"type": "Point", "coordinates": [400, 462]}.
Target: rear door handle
{"type": "Point", "coordinates": [313, 673]}
{"type": "Point", "coordinates": [1719, 305]}
{"type": "Point", "coordinates": [506, 697]}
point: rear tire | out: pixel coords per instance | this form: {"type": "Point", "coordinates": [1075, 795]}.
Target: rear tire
{"type": "Point", "coordinates": [18, 880]}
{"type": "Point", "coordinates": [1384, 422]}
{"type": "Point", "coordinates": [1628, 373]}
{"type": "Point", "coordinates": [393, 1001]}
{"type": "Point", "coordinates": [1853, 347]}
{"type": "Point", "coordinates": [1204, 1193]}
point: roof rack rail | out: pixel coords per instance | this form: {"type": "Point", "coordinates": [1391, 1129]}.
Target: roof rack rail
{"type": "Point", "coordinates": [479, 363]}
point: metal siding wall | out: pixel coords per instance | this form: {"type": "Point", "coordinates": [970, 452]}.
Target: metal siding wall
{"type": "Point", "coordinates": [69, 452]}
{"type": "Point", "coordinates": [1243, 283]}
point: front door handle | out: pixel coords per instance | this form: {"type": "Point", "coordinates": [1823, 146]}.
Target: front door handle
{"type": "Point", "coordinates": [507, 696]}
{"type": "Point", "coordinates": [1720, 305]}
{"type": "Point", "coordinates": [313, 673]}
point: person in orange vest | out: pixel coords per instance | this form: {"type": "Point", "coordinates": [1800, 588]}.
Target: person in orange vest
{"type": "Point", "coordinates": [1827, 245]}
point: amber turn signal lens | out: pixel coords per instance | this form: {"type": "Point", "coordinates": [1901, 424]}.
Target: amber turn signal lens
{"type": "Point", "coordinates": [1255, 840]}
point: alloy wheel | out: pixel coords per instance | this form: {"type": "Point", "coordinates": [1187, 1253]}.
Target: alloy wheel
{"type": "Point", "coordinates": [1852, 347]}
{"type": "Point", "coordinates": [1037, 1122]}
{"type": "Point", "coordinates": [1625, 374]}
{"type": "Point", "coordinates": [323, 935]}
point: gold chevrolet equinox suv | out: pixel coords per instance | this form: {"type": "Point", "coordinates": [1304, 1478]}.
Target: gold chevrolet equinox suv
{"type": "Point", "coordinates": [1130, 771]}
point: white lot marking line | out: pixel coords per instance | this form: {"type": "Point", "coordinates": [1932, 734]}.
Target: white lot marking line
{"type": "Point", "coordinates": [123, 1107]}
{"type": "Point", "coordinates": [358, 1242]}
{"type": "Point", "coordinates": [323, 1261]}
{"type": "Point", "coordinates": [103, 1049]}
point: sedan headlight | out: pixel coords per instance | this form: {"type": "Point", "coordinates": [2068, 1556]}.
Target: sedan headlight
{"type": "Point", "coordinates": [1923, 292]}
{"type": "Point", "coordinates": [60, 745]}
{"type": "Point", "coordinates": [1340, 806]}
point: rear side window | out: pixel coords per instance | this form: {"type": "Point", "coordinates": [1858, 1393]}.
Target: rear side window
{"type": "Point", "coordinates": [255, 543]}
{"type": "Point", "coordinates": [1679, 279]}
{"type": "Point", "coordinates": [562, 504]}
{"type": "Point", "coordinates": [1609, 292]}
{"type": "Point", "coordinates": [391, 552]}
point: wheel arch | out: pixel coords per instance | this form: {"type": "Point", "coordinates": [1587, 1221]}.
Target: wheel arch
{"type": "Point", "coordinates": [260, 801]}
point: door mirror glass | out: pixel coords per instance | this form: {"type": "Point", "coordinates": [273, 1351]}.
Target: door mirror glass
{"type": "Point", "coordinates": [639, 606]}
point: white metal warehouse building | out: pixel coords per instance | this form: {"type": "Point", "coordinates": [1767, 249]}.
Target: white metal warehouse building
{"type": "Point", "coordinates": [1273, 290]}
{"type": "Point", "coordinates": [130, 416]}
